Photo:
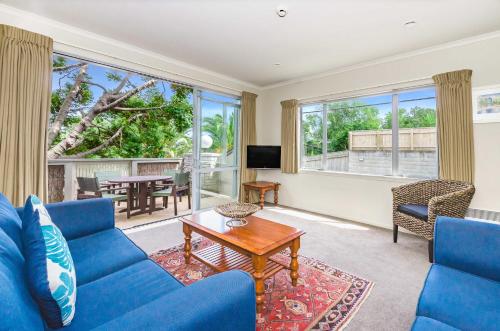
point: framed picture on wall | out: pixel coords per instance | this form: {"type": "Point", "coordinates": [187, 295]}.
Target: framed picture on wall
{"type": "Point", "coordinates": [486, 104]}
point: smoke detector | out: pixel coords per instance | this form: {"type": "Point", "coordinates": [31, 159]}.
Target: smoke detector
{"type": "Point", "coordinates": [281, 11]}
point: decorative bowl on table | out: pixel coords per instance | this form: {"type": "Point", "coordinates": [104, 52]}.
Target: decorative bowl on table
{"type": "Point", "coordinates": [237, 211]}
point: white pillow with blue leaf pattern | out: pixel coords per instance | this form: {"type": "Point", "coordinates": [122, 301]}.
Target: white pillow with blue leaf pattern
{"type": "Point", "coordinates": [49, 265]}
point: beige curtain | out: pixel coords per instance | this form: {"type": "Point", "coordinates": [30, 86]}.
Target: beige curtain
{"type": "Point", "coordinates": [248, 137]}
{"type": "Point", "coordinates": [454, 120]}
{"type": "Point", "coordinates": [25, 91]}
{"type": "Point", "coordinates": [289, 158]}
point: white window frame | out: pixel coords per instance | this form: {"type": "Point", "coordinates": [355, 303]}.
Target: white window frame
{"type": "Point", "coordinates": [395, 128]}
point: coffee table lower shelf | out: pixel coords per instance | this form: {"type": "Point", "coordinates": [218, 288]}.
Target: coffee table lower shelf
{"type": "Point", "coordinates": [221, 258]}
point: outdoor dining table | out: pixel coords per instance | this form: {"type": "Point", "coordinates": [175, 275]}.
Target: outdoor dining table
{"type": "Point", "coordinates": [141, 186]}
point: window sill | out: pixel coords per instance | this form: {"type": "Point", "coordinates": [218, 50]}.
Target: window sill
{"type": "Point", "coordinates": [396, 179]}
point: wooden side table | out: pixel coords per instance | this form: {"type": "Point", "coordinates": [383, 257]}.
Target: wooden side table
{"type": "Point", "coordinates": [262, 187]}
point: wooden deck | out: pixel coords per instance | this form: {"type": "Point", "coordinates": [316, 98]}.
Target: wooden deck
{"type": "Point", "coordinates": [123, 223]}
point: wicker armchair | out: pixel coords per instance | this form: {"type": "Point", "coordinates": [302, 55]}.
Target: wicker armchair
{"type": "Point", "coordinates": [415, 206]}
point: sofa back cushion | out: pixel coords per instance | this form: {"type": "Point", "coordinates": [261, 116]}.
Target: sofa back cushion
{"type": "Point", "coordinates": [10, 222]}
{"type": "Point", "coordinates": [18, 310]}
{"type": "Point", "coordinates": [49, 265]}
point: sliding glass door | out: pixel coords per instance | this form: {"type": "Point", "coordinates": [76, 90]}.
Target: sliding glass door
{"type": "Point", "coordinates": [216, 149]}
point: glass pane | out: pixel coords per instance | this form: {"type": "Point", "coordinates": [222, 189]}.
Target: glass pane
{"type": "Point", "coordinates": [312, 133]}
{"type": "Point", "coordinates": [359, 135]}
{"type": "Point", "coordinates": [219, 97]}
{"type": "Point", "coordinates": [417, 134]}
{"type": "Point", "coordinates": [218, 187]}
{"type": "Point", "coordinates": [219, 124]}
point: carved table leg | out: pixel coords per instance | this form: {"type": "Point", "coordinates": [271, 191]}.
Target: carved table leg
{"type": "Point", "coordinates": [261, 200]}
{"type": "Point", "coordinates": [187, 242]}
{"type": "Point", "coordinates": [247, 195]}
{"type": "Point", "coordinates": [294, 263]}
{"type": "Point", "coordinates": [276, 195]}
{"type": "Point", "coordinates": [259, 264]}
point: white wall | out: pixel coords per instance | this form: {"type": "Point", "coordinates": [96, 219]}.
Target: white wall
{"type": "Point", "coordinates": [369, 199]}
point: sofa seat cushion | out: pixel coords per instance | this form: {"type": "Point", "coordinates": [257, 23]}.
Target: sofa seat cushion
{"type": "Point", "coordinates": [461, 300]}
{"type": "Point", "coordinates": [418, 211]}
{"type": "Point", "coordinates": [112, 296]}
{"type": "Point", "coordinates": [18, 309]}
{"type": "Point", "coordinates": [425, 324]}
{"type": "Point", "coordinates": [103, 253]}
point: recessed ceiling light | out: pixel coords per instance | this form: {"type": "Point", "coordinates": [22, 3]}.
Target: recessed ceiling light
{"type": "Point", "coordinates": [277, 64]}
{"type": "Point", "coordinates": [410, 24]}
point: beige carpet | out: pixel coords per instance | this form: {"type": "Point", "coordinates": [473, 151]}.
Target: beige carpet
{"type": "Point", "coordinates": [398, 270]}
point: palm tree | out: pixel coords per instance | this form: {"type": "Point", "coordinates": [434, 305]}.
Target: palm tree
{"type": "Point", "coordinates": [221, 133]}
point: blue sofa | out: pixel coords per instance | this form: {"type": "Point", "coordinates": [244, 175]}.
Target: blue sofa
{"type": "Point", "coordinates": [462, 289]}
{"type": "Point", "coordinates": [119, 288]}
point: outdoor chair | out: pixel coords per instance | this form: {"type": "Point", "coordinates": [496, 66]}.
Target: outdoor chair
{"type": "Point", "coordinates": [183, 184]}
{"type": "Point", "coordinates": [171, 172]}
{"type": "Point", "coordinates": [179, 187]}
{"type": "Point", "coordinates": [416, 206]}
{"type": "Point", "coordinates": [89, 188]}
{"type": "Point", "coordinates": [104, 176]}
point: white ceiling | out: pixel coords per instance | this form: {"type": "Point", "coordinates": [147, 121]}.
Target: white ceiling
{"type": "Point", "coordinates": [243, 39]}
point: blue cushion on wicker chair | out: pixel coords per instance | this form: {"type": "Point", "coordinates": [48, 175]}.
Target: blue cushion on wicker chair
{"type": "Point", "coordinates": [418, 211]}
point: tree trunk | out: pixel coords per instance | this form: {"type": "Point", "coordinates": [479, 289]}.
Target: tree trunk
{"type": "Point", "coordinates": [66, 105]}
{"type": "Point", "coordinates": [106, 102]}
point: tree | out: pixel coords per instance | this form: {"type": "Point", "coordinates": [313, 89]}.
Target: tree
{"type": "Point", "coordinates": [416, 117]}
{"type": "Point", "coordinates": [219, 131]}
{"type": "Point", "coordinates": [344, 117]}
{"type": "Point", "coordinates": [312, 128]}
{"type": "Point", "coordinates": [125, 120]}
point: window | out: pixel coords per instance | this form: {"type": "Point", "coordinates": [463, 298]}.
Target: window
{"type": "Point", "coordinates": [362, 135]}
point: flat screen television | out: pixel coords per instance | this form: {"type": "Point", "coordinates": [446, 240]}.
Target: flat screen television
{"type": "Point", "coordinates": [263, 157]}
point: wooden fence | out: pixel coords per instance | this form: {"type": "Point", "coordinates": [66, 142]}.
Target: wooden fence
{"type": "Point", "coordinates": [415, 139]}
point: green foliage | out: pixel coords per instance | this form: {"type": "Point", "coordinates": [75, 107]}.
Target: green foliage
{"type": "Point", "coordinates": [416, 117]}
{"type": "Point", "coordinates": [344, 117]}
{"type": "Point", "coordinates": [215, 127]}
{"type": "Point", "coordinates": [312, 128]}
{"type": "Point", "coordinates": [58, 61]}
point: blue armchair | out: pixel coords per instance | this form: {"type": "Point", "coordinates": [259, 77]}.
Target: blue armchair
{"type": "Point", "coordinates": [118, 287]}
{"type": "Point", "coordinates": [462, 289]}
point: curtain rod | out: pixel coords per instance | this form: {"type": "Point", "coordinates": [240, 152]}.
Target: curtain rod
{"type": "Point", "coordinates": [57, 50]}
{"type": "Point", "coordinates": [375, 89]}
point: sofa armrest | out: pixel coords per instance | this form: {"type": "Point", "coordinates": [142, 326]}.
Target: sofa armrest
{"type": "Point", "coordinates": [224, 302]}
{"type": "Point", "coordinates": [468, 245]}
{"type": "Point", "coordinates": [80, 218]}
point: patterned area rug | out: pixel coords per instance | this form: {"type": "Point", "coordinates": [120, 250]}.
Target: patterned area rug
{"type": "Point", "coordinates": [325, 298]}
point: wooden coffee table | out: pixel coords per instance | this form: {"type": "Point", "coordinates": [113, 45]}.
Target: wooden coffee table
{"type": "Point", "coordinates": [248, 248]}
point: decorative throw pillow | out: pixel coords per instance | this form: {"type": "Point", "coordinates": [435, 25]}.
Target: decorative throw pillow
{"type": "Point", "coordinates": [50, 268]}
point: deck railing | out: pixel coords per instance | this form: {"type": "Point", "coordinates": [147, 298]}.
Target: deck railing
{"type": "Point", "coordinates": [63, 172]}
